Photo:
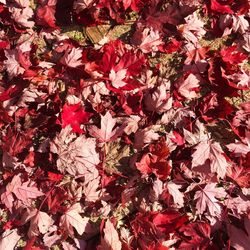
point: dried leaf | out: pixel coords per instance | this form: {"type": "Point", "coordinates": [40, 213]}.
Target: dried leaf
{"type": "Point", "coordinates": [9, 239]}
{"type": "Point", "coordinates": [111, 240]}
{"type": "Point", "coordinates": [206, 199]}
{"type": "Point", "coordinates": [72, 218]}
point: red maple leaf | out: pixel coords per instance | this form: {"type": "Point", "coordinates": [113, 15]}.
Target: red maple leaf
{"type": "Point", "coordinates": [74, 115]}
{"type": "Point", "coordinates": [45, 14]}
{"type": "Point", "coordinates": [196, 235]}
{"type": "Point", "coordinates": [220, 8]}
{"type": "Point", "coordinates": [168, 221]}
{"type": "Point", "coordinates": [232, 56]}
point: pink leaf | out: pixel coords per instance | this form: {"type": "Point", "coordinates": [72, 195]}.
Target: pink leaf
{"type": "Point", "coordinates": [40, 222]}
{"type": "Point", "coordinates": [9, 239]}
{"type": "Point", "coordinates": [68, 246]}
{"type": "Point", "coordinates": [45, 14]}
{"type": "Point", "coordinates": [77, 156]}
{"type": "Point", "coordinates": [22, 16]}
{"type": "Point", "coordinates": [12, 63]}
{"type": "Point", "coordinates": [240, 24]}
{"type": "Point", "coordinates": [111, 240]}
{"type": "Point", "coordinates": [80, 5]}
{"type": "Point", "coordinates": [7, 199]}
{"type": "Point", "coordinates": [150, 40]}
{"type": "Point", "coordinates": [90, 190]}
{"type": "Point", "coordinates": [107, 131]}
{"type": "Point", "coordinates": [25, 192]}
{"type": "Point", "coordinates": [160, 100]}
{"type": "Point", "coordinates": [186, 88]}
{"type": "Point", "coordinates": [178, 196]}
{"type": "Point", "coordinates": [206, 199]}
{"type": "Point", "coordinates": [72, 218]}
{"type": "Point", "coordinates": [72, 57]}
{"type": "Point", "coordinates": [117, 78]}
{"type": "Point", "coordinates": [207, 150]}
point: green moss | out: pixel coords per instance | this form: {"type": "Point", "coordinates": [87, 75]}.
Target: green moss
{"type": "Point", "coordinates": [75, 32]}
{"type": "Point", "coordinates": [244, 96]}
{"type": "Point", "coordinates": [55, 247]}
{"type": "Point", "coordinates": [21, 243]}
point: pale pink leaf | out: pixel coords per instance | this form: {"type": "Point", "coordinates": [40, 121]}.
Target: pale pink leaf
{"type": "Point", "coordinates": [218, 162]}
{"type": "Point", "coordinates": [246, 42]}
{"type": "Point", "coordinates": [145, 136]}
{"type": "Point", "coordinates": [150, 41]}
{"type": "Point", "coordinates": [186, 88]}
{"type": "Point", "coordinates": [68, 246]}
{"type": "Point", "coordinates": [75, 156]}
{"type": "Point", "coordinates": [22, 16]}
{"type": "Point", "coordinates": [107, 132]}
{"type": "Point", "coordinates": [178, 196]}
{"type": "Point", "coordinates": [116, 78]}
{"type": "Point", "coordinates": [160, 100]}
{"type": "Point", "coordinates": [156, 190]}
{"type": "Point", "coordinates": [240, 24]}
{"type": "Point", "coordinates": [72, 57]}
{"type": "Point", "coordinates": [9, 239]}
{"type": "Point", "coordinates": [40, 222]}
{"type": "Point", "coordinates": [15, 182]}
{"type": "Point", "coordinates": [25, 192]}
{"type": "Point", "coordinates": [206, 199]}
{"type": "Point", "coordinates": [7, 199]}
{"type": "Point", "coordinates": [201, 154]}
{"type": "Point", "coordinates": [241, 79]}
{"type": "Point", "coordinates": [12, 65]}
{"type": "Point", "coordinates": [111, 240]}
{"type": "Point", "coordinates": [23, 3]}
{"type": "Point", "coordinates": [207, 150]}
{"type": "Point", "coordinates": [199, 134]}
{"type": "Point", "coordinates": [239, 205]}
{"type": "Point", "coordinates": [238, 148]}
{"type": "Point", "coordinates": [132, 124]}
{"type": "Point", "coordinates": [51, 237]}
{"type": "Point", "coordinates": [43, 221]}
{"type": "Point", "coordinates": [193, 29]}
{"type": "Point", "coordinates": [90, 190]}
{"type": "Point", "coordinates": [72, 218]}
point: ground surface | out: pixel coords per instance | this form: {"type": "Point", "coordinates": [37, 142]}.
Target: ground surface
{"type": "Point", "coordinates": [124, 124]}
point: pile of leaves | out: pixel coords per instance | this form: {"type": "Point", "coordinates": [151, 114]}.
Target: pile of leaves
{"type": "Point", "coordinates": [139, 142]}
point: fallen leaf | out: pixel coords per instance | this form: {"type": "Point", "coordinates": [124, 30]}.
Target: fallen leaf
{"type": "Point", "coordinates": [111, 240]}
{"type": "Point", "coordinates": [9, 239]}
{"type": "Point", "coordinates": [107, 132]}
{"type": "Point", "coordinates": [72, 218]}
{"type": "Point", "coordinates": [206, 199]}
